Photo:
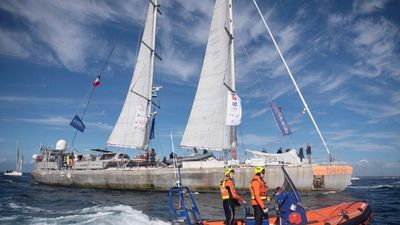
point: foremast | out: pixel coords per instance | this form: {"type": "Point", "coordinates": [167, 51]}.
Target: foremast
{"type": "Point", "coordinates": [207, 127]}
{"type": "Point", "coordinates": [133, 126]}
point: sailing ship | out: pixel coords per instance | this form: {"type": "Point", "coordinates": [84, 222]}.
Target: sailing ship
{"type": "Point", "coordinates": [19, 162]}
{"type": "Point", "coordinates": [211, 126]}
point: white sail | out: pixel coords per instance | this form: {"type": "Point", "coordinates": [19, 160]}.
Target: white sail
{"type": "Point", "coordinates": [206, 127]}
{"type": "Point", "coordinates": [132, 127]}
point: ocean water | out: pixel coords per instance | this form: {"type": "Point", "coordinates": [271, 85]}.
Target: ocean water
{"type": "Point", "coordinates": [22, 201]}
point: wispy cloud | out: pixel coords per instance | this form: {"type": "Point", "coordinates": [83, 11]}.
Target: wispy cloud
{"type": "Point", "coordinates": [36, 100]}
{"type": "Point", "coordinates": [367, 167]}
{"type": "Point", "coordinates": [59, 121]}
{"type": "Point", "coordinates": [64, 31]}
{"type": "Point", "coordinates": [360, 6]}
{"type": "Point", "coordinates": [254, 139]}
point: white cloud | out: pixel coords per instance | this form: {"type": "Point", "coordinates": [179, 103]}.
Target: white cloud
{"type": "Point", "coordinates": [367, 167]}
{"type": "Point", "coordinates": [59, 121]}
{"type": "Point", "coordinates": [254, 139]}
{"type": "Point", "coordinates": [361, 6]}
{"type": "Point", "coordinates": [36, 100]}
{"type": "Point", "coordinates": [64, 31]}
{"type": "Point", "coordinates": [258, 113]}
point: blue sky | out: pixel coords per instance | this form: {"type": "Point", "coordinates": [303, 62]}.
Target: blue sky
{"type": "Point", "coordinates": [343, 54]}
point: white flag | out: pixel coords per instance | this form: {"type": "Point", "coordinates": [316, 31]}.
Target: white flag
{"type": "Point", "coordinates": [234, 110]}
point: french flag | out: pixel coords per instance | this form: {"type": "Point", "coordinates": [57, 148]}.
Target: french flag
{"type": "Point", "coordinates": [96, 82]}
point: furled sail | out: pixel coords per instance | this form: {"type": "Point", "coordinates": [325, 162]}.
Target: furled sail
{"type": "Point", "coordinates": [133, 125]}
{"type": "Point", "coordinates": [207, 125]}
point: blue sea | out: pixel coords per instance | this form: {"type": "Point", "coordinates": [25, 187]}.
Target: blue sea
{"type": "Point", "coordinates": [22, 201]}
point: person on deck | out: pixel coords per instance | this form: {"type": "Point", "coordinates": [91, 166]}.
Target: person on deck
{"type": "Point", "coordinates": [146, 156]}
{"type": "Point", "coordinates": [258, 191]}
{"type": "Point", "coordinates": [308, 151]}
{"type": "Point", "coordinates": [229, 196]}
{"type": "Point", "coordinates": [152, 157]}
{"type": "Point", "coordinates": [301, 154]}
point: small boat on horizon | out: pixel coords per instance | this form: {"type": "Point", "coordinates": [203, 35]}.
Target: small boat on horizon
{"type": "Point", "coordinates": [19, 161]}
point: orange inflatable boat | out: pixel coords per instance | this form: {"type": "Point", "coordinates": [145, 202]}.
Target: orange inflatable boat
{"type": "Point", "coordinates": [289, 210]}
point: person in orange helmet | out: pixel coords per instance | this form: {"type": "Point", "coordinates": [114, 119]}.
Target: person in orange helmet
{"type": "Point", "coordinates": [229, 196]}
{"type": "Point", "coordinates": [258, 191]}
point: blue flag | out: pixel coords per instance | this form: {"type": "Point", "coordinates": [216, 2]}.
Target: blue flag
{"type": "Point", "coordinates": [77, 124]}
{"type": "Point", "coordinates": [280, 119]}
{"type": "Point", "coordinates": [153, 123]}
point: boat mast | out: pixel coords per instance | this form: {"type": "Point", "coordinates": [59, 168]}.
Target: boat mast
{"type": "Point", "coordinates": [294, 82]}
{"type": "Point", "coordinates": [17, 161]}
{"type": "Point", "coordinates": [150, 93]}
{"type": "Point", "coordinates": [233, 73]}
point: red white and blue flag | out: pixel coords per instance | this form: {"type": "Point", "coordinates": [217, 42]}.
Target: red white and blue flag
{"type": "Point", "coordinates": [96, 82]}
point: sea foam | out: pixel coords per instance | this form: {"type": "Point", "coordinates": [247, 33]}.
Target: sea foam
{"type": "Point", "coordinates": [115, 215]}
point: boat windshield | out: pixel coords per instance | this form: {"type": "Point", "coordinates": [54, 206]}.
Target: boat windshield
{"type": "Point", "coordinates": [288, 185]}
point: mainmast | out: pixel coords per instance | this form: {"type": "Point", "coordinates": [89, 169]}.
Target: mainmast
{"type": "Point", "coordinates": [233, 73]}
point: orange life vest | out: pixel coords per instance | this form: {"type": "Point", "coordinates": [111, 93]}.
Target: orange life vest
{"type": "Point", "coordinates": [258, 188]}
{"type": "Point", "coordinates": [223, 189]}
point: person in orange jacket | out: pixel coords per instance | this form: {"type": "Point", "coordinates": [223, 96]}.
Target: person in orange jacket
{"type": "Point", "coordinates": [258, 191]}
{"type": "Point", "coordinates": [229, 196]}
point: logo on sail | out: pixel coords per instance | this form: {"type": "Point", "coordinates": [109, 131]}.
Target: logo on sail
{"type": "Point", "coordinates": [234, 110]}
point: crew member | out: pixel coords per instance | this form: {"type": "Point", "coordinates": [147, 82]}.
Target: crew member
{"type": "Point", "coordinates": [258, 191]}
{"type": "Point", "coordinates": [229, 196]}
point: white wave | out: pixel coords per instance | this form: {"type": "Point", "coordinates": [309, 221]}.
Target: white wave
{"type": "Point", "coordinates": [27, 209]}
{"type": "Point", "coordinates": [372, 186]}
{"type": "Point", "coordinates": [7, 218]}
{"type": "Point", "coordinates": [329, 192]}
{"type": "Point", "coordinates": [96, 215]}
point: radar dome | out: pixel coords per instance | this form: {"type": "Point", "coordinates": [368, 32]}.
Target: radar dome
{"type": "Point", "coordinates": [34, 157]}
{"type": "Point", "coordinates": [61, 145]}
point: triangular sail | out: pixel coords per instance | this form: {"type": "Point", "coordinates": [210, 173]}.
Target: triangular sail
{"type": "Point", "coordinates": [132, 127]}
{"type": "Point", "coordinates": [206, 127]}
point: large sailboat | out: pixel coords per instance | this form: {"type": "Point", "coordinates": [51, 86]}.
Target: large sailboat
{"type": "Point", "coordinates": [19, 162]}
{"type": "Point", "coordinates": [211, 126]}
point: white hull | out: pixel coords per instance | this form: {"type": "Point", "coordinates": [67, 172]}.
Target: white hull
{"type": "Point", "coordinates": [200, 177]}
{"type": "Point", "coordinates": [13, 173]}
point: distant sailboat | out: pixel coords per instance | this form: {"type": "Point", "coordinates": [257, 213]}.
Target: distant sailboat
{"type": "Point", "coordinates": [18, 171]}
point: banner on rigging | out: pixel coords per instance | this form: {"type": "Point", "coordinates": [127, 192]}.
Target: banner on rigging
{"type": "Point", "coordinates": [140, 120]}
{"type": "Point", "coordinates": [280, 119]}
{"type": "Point", "coordinates": [234, 110]}
{"type": "Point", "coordinates": [77, 123]}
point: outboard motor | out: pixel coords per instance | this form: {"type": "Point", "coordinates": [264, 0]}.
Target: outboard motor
{"type": "Point", "coordinates": [290, 210]}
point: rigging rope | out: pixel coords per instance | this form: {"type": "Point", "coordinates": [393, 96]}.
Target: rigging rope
{"type": "Point", "coordinates": [293, 80]}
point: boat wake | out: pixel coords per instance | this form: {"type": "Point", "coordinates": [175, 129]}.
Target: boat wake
{"type": "Point", "coordinates": [118, 214]}
{"type": "Point", "coordinates": [374, 186]}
